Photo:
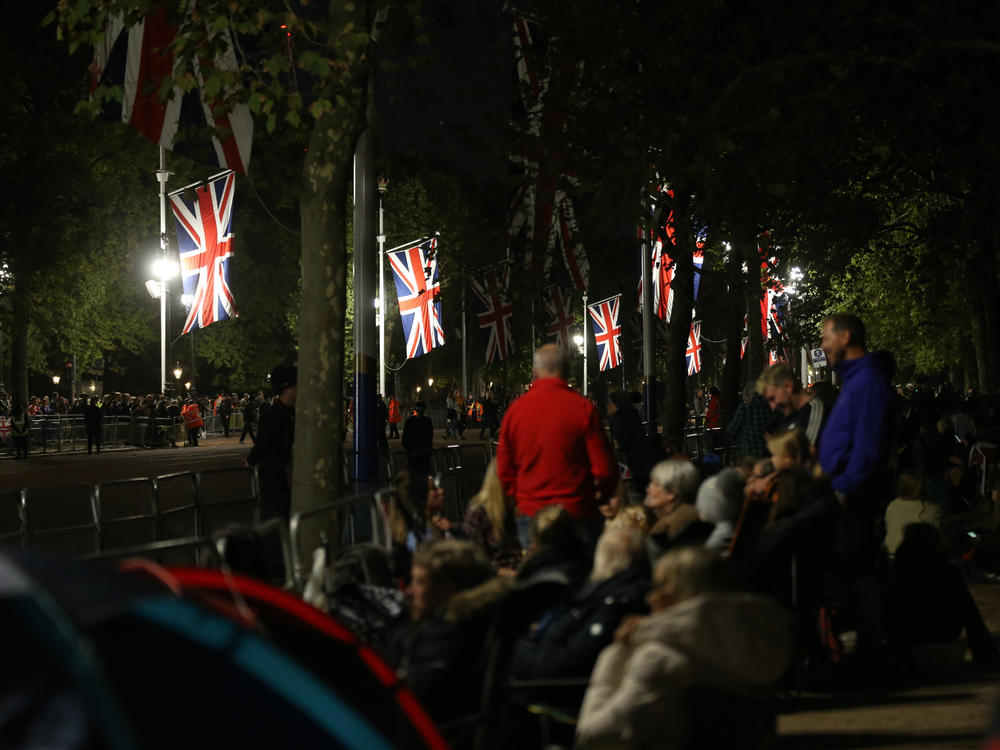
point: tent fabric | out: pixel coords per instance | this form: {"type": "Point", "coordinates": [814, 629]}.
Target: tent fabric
{"type": "Point", "coordinates": [130, 664]}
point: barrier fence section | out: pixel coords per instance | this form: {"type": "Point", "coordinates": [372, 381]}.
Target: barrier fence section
{"type": "Point", "coordinates": [68, 432]}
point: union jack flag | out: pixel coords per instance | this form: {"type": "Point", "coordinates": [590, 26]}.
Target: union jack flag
{"type": "Point", "coordinates": [541, 211]}
{"type": "Point", "coordinates": [417, 288]}
{"type": "Point", "coordinates": [558, 306]}
{"type": "Point", "coordinates": [492, 289]}
{"type": "Point", "coordinates": [771, 316]}
{"type": "Point", "coordinates": [205, 241]}
{"type": "Point", "coordinates": [694, 348]}
{"type": "Point", "coordinates": [607, 331]}
{"type": "Point", "coordinates": [663, 275]}
{"type": "Point", "coordinates": [139, 59]}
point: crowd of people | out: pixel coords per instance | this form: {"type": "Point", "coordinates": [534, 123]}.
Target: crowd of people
{"type": "Point", "coordinates": [94, 410]}
{"type": "Point", "coordinates": [626, 593]}
{"type": "Point", "coordinates": [629, 595]}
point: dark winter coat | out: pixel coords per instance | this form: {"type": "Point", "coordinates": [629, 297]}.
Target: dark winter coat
{"type": "Point", "coordinates": [569, 638]}
{"type": "Point", "coordinates": [440, 658]}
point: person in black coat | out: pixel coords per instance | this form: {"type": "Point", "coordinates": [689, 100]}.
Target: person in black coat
{"type": "Point", "coordinates": [418, 439]}
{"type": "Point", "coordinates": [630, 437]}
{"type": "Point", "coordinates": [225, 412]}
{"type": "Point", "coordinates": [272, 450]}
{"type": "Point", "coordinates": [92, 419]}
{"type": "Point", "coordinates": [381, 420]}
{"type": "Point", "coordinates": [570, 636]}
{"type": "Point", "coordinates": [453, 598]}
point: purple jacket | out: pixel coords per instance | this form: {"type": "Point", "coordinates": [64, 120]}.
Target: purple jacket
{"type": "Point", "coordinates": [858, 437]}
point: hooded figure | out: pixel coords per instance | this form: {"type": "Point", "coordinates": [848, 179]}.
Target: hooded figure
{"type": "Point", "coordinates": [720, 499]}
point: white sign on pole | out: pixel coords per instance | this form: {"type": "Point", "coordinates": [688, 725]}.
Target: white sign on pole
{"type": "Point", "coordinates": [818, 358]}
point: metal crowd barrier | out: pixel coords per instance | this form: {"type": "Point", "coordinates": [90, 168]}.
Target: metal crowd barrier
{"type": "Point", "coordinates": [333, 525]}
{"type": "Point", "coordinates": [67, 432]}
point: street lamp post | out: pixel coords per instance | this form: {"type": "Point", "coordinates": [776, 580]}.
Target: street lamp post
{"type": "Point", "coordinates": [581, 342]}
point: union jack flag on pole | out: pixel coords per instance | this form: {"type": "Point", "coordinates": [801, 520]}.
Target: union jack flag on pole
{"type": "Point", "coordinates": [492, 287]}
{"type": "Point", "coordinates": [557, 305]}
{"type": "Point", "coordinates": [417, 288]}
{"type": "Point", "coordinates": [140, 58]}
{"type": "Point", "coordinates": [607, 331]}
{"type": "Point", "coordinates": [694, 349]}
{"type": "Point", "coordinates": [205, 241]}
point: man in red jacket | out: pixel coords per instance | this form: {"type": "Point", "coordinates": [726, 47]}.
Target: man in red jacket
{"type": "Point", "coordinates": [552, 449]}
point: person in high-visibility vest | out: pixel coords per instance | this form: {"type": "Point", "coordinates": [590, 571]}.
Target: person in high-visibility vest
{"type": "Point", "coordinates": [192, 421]}
{"type": "Point", "coordinates": [395, 417]}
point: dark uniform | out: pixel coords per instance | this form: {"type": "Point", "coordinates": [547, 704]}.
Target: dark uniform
{"type": "Point", "coordinates": [92, 419]}
{"type": "Point", "coordinates": [249, 420]}
{"type": "Point", "coordinates": [381, 420]}
{"type": "Point", "coordinates": [272, 455]}
{"type": "Point", "coordinates": [418, 439]}
{"type": "Point", "coordinates": [225, 411]}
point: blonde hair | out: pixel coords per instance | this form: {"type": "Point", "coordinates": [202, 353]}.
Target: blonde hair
{"type": "Point", "coordinates": [791, 443]}
{"type": "Point", "coordinates": [633, 518]}
{"type": "Point", "coordinates": [692, 571]}
{"type": "Point", "coordinates": [617, 549]}
{"type": "Point", "coordinates": [493, 499]}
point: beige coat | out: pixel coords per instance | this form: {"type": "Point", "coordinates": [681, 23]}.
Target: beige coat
{"type": "Point", "coordinates": [727, 641]}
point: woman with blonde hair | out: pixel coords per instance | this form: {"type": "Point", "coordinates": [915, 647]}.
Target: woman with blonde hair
{"type": "Point", "coordinates": [489, 524]}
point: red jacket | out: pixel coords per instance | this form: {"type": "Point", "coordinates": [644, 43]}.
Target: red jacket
{"type": "Point", "coordinates": [553, 450]}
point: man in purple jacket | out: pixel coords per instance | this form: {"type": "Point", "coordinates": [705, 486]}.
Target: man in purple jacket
{"type": "Point", "coordinates": [855, 452]}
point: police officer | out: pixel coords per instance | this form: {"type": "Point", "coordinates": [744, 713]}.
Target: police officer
{"type": "Point", "coordinates": [272, 450]}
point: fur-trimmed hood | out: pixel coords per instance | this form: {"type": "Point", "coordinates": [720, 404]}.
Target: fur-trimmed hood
{"type": "Point", "coordinates": [478, 601]}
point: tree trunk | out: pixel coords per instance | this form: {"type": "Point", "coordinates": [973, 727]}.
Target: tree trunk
{"type": "Point", "coordinates": [981, 347]}
{"type": "Point", "coordinates": [755, 344]}
{"type": "Point", "coordinates": [19, 342]}
{"type": "Point", "coordinates": [327, 172]}
{"type": "Point", "coordinates": [675, 404]}
{"type": "Point", "coordinates": [734, 339]}
{"type": "Point", "coordinates": [991, 330]}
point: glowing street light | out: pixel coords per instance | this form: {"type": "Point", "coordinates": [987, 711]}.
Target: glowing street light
{"type": "Point", "coordinates": [178, 371]}
{"type": "Point", "coordinates": [55, 380]}
{"type": "Point", "coordinates": [165, 268]}
{"type": "Point", "coordinates": [430, 382]}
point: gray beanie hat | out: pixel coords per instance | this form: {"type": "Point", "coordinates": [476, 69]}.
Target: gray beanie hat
{"type": "Point", "coordinates": [720, 497]}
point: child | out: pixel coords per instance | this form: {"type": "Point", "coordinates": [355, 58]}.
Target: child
{"type": "Point", "coordinates": [910, 506]}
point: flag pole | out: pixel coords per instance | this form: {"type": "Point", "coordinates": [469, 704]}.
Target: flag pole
{"type": "Point", "coordinates": [161, 176]}
{"type": "Point", "coordinates": [383, 185]}
{"type": "Point", "coordinates": [586, 314]}
{"type": "Point", "coordinates": [465, 345]}
{"type": "Point", "coordinates": [648, 330]}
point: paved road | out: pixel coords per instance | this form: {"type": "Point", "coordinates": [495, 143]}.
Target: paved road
{"type": "Point", "coordinates": [56, 468]}
{"type": "Point", "coordinates": [118, 463]}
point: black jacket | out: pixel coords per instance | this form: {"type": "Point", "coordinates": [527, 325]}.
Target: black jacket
{"type": "Point", "coordinates": [92, 417]}
{"type": "Point", "coordinates": [441, 658]}
{"type": "Point", "coordinates": [274, 436]}
{"type": "Point", "coordinates": [569, 637]}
